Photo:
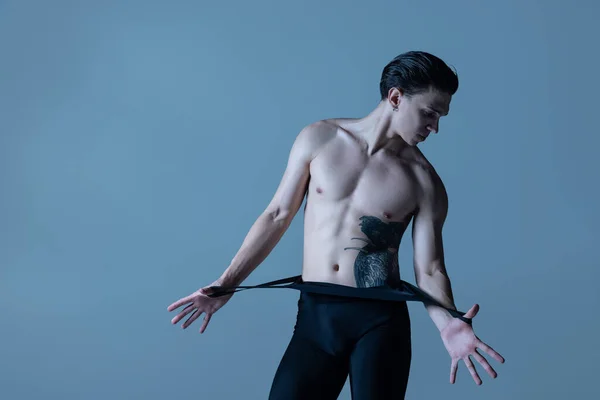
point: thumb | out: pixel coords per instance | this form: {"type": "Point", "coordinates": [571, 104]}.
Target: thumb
{"type": "Point", "coordinates": [207, 291]}
{"type": "Point", "coordinates": [472, 312]}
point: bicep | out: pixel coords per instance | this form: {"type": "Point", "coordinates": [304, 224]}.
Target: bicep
{"type": "Point", "coordinates": [293, 185]}
{"type": "Point", "coordinates": [428, 223]}
{"type": "Point", "coordinates": [291, 190]}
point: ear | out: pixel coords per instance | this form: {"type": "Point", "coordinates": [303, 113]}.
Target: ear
{"type": "Point", "coordinates": [395, 96]}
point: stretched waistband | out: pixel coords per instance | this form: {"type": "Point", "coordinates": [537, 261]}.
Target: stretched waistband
{"type": "Point", "coordinates": [404, 291]}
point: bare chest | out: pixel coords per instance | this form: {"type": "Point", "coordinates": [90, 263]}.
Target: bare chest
{"type": "Point", "coordinates": [379, 184]}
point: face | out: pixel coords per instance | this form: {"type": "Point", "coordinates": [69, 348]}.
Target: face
{"type": "Point", "coordinates": [419, 115]}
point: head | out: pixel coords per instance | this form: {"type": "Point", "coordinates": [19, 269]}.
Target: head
{"type": "Point", "coordinates": [417, 87]}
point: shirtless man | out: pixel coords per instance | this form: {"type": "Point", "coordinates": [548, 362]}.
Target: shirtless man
{"type": "Point", "coordinates": [364, 181]}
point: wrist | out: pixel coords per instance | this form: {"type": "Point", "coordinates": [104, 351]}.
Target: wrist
{"type": "Point", "coordinates": [228, 280]}
{"type": "Point", "coordinates": [440, 317]}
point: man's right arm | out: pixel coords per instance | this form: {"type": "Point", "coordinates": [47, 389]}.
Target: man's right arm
{"type": "Point", "coordinates": [270, 226]}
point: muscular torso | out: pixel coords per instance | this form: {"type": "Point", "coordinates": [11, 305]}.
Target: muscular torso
{"type": "Point", "coordinates": [358, 207]}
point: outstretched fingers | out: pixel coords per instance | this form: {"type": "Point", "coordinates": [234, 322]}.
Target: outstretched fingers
{"type": "Point", "coordinates": [493, 353]}
{"type": "Point", "coordinates": [472, 370]}
{"type": "Point", "coordinates": [180, 302]}
{"type": "Point", "coordinates": [205, 323]}
{"type": "Point", "coordinates": [192, 318]}
{"type": "Point", "coordinates": [484, 363]}
{"type": "Point", "coordinates": [453, 369]}
{"type": "Point", "coordinates": [183, 313]}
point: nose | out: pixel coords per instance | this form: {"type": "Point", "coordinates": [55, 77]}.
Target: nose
{"type": "Point", "coordinates": [433, 128]}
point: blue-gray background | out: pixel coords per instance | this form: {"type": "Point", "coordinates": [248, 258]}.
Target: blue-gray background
{"type": "Point", "coordinates": [141, 139]}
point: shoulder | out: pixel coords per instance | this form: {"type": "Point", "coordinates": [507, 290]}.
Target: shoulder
{"type": "Point", "coordinates": [433, 190]}
{"type": "Point", "coordinates": [313, 137]}
{"type": "Point", "coordinates": [319, 130]}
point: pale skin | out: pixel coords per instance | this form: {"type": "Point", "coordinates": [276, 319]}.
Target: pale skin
{"type": "Point", "coordinates": [347, 169]}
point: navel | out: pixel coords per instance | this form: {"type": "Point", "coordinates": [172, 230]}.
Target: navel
{"type": "Point", "coordinates": [336, 267]}
{"type": "Point", "coordinates": [319, 190]}
{"type": "Point", "coordinates": [387, 215]}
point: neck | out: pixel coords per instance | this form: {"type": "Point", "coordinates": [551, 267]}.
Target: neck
{"type": "Point", "coordinates": [375, 129]}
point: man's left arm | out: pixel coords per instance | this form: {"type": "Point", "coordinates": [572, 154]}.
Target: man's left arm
{"type": "Point", "coordinates": [431, 276]}
{"type": "Point", "coordinates": [428, 248]}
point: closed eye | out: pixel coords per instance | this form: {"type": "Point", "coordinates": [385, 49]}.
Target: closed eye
{"type": "Point", "coordinates": [429, 114]}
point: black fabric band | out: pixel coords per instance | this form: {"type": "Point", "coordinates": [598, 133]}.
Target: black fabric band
{"type": "Point", "coordinates": [404, 291]}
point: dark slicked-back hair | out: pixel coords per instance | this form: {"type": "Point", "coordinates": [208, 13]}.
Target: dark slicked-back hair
{"type": "Point", "coordinates": [415, 72]}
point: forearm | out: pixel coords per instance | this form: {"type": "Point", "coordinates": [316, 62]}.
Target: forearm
{"type": "Point", "coordinates": [263, 236]}
{"type": "Point", "coordinates": [437, 285]}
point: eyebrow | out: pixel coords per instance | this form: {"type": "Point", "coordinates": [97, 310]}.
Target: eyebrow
{"type": "Point", "coordinates": [437, 110]}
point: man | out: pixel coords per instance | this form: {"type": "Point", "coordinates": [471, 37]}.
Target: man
{"type": "Point", "coordinates": [364, 181]}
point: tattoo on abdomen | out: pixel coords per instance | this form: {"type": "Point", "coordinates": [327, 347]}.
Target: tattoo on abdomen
{"type": "Point", "coordinates": [376, 264]}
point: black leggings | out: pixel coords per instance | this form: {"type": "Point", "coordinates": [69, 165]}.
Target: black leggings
{"type": "Point", "coordinates": [336, 336]}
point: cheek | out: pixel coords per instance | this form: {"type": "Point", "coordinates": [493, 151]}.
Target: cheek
{"type": "Point", "coordinates": [415, 123]}
{"type": "Point", "coordinates": [410, 123]}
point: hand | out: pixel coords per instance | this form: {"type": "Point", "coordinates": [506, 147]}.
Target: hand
{"type": "Point", "coordinates": [199, 303]}
{"type": "Point", "coordinates": [461, 342]}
